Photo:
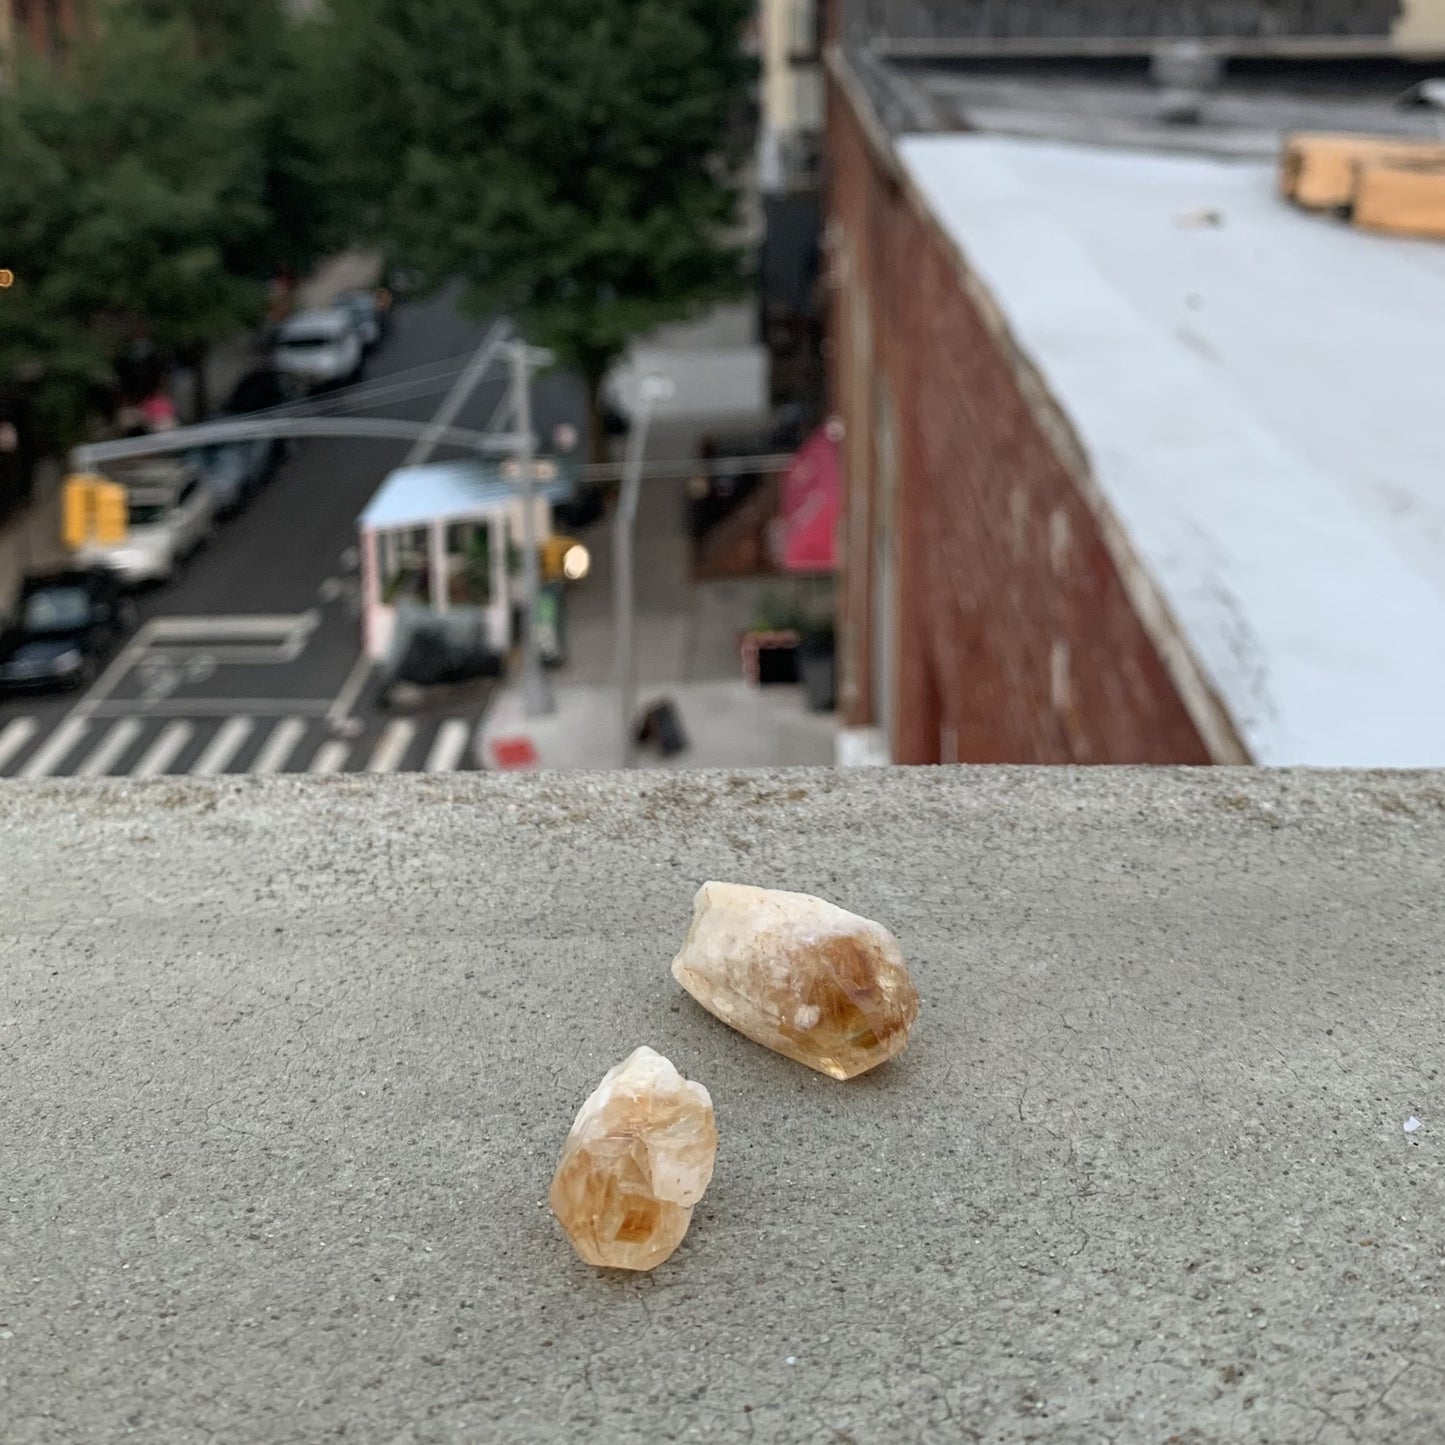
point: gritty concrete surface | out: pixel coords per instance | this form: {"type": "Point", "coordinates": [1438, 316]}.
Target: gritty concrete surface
{"type": "Point", "coordinates": [288, 1062]}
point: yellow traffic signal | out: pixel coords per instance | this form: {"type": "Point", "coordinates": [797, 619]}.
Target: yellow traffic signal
{"type": "Point", "coordinates": [112, 513]}
{"type": "Point", "coordinates": [93, 511]}
{"type": "Point", "coordinates": [7, 278]}
{"type": "Point", "coordinates": [564, 558]}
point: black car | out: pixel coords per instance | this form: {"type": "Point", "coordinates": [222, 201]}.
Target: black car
{"type": "Point", "coordinates": [66, 624]}
{"type": "Point", "coordinates": [261, 390]}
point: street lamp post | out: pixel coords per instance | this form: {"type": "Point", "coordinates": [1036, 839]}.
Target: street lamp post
{"type": "Point", "coordinates": [536, 688]}
{"type": "Point", "coordinates": [654, 389]}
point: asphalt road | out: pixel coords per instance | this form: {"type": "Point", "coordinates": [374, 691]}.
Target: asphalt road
{"type": "Point", "coordinates": [250, 660]}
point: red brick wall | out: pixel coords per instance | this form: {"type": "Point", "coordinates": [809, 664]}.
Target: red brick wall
{"type": "Point", "coordinates": [1013, 637]}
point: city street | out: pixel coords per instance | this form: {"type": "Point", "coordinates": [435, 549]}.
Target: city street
{"type": "Point", "coordinates": [249, 661]}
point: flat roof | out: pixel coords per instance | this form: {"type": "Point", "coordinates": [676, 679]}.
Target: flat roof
{"type": "Point", "coordinates": [1261, 402]}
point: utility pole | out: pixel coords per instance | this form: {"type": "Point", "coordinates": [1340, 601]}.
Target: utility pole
{"type": "Point", "coordinates": [653, 389]}
{"type": "Point", "coordinates": [536, 687]}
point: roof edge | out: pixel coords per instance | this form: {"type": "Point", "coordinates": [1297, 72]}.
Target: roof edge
{"type": "Point", "coordinates": [1202, 701]}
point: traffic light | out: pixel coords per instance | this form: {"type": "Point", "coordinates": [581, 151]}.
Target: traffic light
{"type": "Point", "coordinates": [112, 513]}
{"type": "Point", "coordinates": [564, 559]}
{"type": "Point", "coordinates": [93, 511]}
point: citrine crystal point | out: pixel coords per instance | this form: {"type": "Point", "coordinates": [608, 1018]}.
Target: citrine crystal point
{"type": "Point", "coordinates": [639, 1155]}
{"type": "Point", "coordinates": [799, 975]}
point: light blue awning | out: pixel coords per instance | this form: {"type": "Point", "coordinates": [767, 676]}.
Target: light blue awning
{"type": "Point", "coordinates": [454, 491]}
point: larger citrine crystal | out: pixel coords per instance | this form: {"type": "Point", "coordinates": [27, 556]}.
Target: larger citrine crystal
{"type": "Point", "coordinates": [638, 1157]}
{"type": "Point", "coordinates": [804, 977]}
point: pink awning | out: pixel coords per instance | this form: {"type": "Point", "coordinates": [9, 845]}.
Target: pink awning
{"type": "Point", "coordinates": [811, 506]}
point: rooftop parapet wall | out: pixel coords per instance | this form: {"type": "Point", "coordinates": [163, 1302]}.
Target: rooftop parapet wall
{"type": "Point", "coordinates": [289, 1062]}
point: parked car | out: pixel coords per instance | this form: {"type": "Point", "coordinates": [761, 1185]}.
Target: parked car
{"type": "Point", "coordinates": [262, 390]}
{"type": "Point", "coordinates": [319, 348]}
{"type": "Point", "coordinates": [232, 470]}
{"type": "Point", "coordinates": [366, 315]}
{"type": "Point", "coordinates": [67, 624]}
{"type": "Point", "coordinates": [171, 512]}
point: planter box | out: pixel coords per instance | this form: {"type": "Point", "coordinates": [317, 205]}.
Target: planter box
{"type": "Point", "coordinates": [770, 657]}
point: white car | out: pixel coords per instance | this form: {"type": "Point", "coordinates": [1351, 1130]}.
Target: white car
{"type": "Point", "coordinates": [166, 522]}
{"type": "Point", "coordinates": [366, 315]}
{"type": "Point", "coordinates": [319, 348]}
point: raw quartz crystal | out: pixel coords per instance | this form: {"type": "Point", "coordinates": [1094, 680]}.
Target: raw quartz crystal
{"type": "Point", "coordinates": [804, 977]}
{"type": "Point", "coordinates": [638, 1157]}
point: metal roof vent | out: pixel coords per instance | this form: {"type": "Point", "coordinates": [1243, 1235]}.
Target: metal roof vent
{"type": "Point", "coordinates": [1187, 73]}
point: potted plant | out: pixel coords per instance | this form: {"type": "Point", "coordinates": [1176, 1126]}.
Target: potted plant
{"type": "Point", "coordinates": [770, 646]}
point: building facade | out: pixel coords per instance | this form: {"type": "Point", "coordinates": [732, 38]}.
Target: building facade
{"type": "Point", "coordinates": [44, 25]}
{"type": "Point", "coordinates": [987, 613]}
{"type": "Point", "coordinates": [1073, 524]}
{"type": "Point", "coordinates": [924, 27]}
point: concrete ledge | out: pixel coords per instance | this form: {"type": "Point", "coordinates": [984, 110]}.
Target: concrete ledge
{"type": "Point", "coordinates": [287, 1064]}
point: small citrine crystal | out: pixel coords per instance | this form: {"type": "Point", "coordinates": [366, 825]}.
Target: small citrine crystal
{"type": "Point", "coordinates": [802, 976]}
{"type": "Point", "coordinates": [639, 1156]}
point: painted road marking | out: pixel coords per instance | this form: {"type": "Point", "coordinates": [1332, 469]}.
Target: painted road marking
{"type": "Point", "coordinates": [216, 707]}
{"type": "Point", "coordinates": [351, 689]}
{"type": "Point", "coordinates": [392, 746]}
{"type": "Point", "coordinates": [280, 745]}
{"type": "Point", "coordinates": [223, 747]}
{"type": "Point", "coordinates": [164, 751]}
{"type": "Point", "coordinates": [111, 748]}
{"type": "Point", "coordinates": [108, 681]}
{"type": "Point", "coordinates": [14, 737]}
{"type": "Point", "coordinates": [449, 745]}
{"type": "Point", "coordinates": [462, 388]}
{"type": "Point", "coordinates": [278, 628]}
{"type": "Point", "coordinates": [330, 758]}
{"type": "Point", "coordinates": [53, 751]}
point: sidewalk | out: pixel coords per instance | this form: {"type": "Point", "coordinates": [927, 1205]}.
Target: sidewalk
{"type": "Point", "coordinates": [727, 724]}
{"type": "Point", "coordinates": [30, 540]}
{"type": "Point", "coordinates": [685, 643]}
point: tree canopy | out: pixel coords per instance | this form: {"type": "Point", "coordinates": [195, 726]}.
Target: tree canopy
{"type": "Point", "coordinates": [148, 186]}
{"type": "Point", "coordinates": [572, 161]}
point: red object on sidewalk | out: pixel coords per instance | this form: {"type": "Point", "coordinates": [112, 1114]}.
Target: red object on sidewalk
{"type": "Point", "coordinates": [812, 504]}
{"type": "Point", "coordinates": [514, 755]}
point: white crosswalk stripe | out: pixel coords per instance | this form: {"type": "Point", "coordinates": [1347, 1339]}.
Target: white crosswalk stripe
{"type": "Point", "coordinates": [95, 747]}
{"type": "Point", "coordinates": [55, 749]}
{"type": "Point", "coordinates": [279, 746]}
{"type": "Point", "coordinates": [111, 749]}
{"type": "Point", "coordinates": [391, 747]}
{"type": "Point", "coordinates": [448, 747]}
{"type": "Point", "coordinates": [167, 747]}
{"type": "Point", "coordinates": [223, 747]}
{"type": "Point", "coordinates": [330, 758]}
{"type": "Point", "coordinates": [14, 735]}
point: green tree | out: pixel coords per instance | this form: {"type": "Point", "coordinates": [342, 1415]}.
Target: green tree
{"type": "Point", "coordinates": [147, 188]}
{"type": "Point", "coordinates": [574, 161]}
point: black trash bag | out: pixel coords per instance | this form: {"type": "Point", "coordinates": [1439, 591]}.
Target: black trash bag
{"type": "Point", "coordinates": [661, 728]}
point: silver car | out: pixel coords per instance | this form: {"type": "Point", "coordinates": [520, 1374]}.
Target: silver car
{"type": "Point", "coordinates": [319, 348]}
{"type": "Point", "coordinates": [170, 513]}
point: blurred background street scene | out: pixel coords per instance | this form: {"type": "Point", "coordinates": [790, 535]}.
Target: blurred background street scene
{"type": "Point", "coordinates": [388, 387]}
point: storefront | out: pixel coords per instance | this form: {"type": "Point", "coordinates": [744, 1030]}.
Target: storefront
{"type": "Point", "coordinates": [443, 541]}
